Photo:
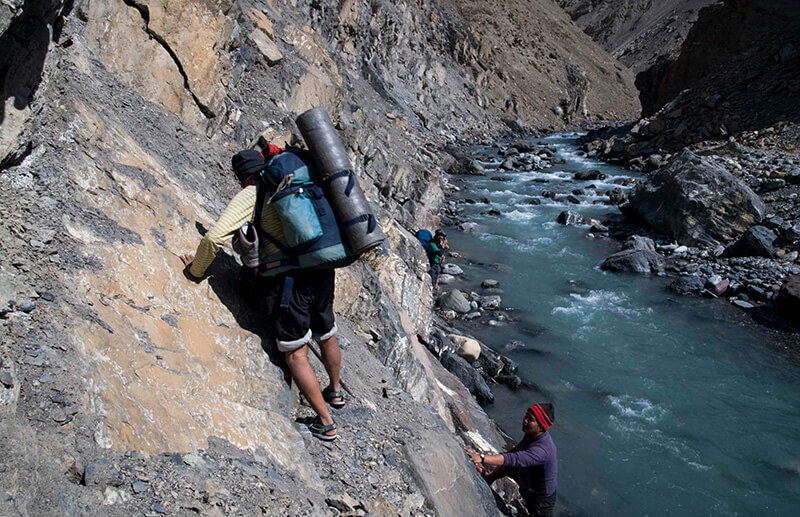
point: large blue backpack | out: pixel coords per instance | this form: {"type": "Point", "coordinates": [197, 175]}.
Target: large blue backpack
{"type": "Point", "coordinates": [424, 236]}
{"type": "Point", "coordinates": [296, 226]}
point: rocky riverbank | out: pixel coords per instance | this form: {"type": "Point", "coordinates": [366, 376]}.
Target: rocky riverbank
{"type": "Point", "coordinates": [725, 215]}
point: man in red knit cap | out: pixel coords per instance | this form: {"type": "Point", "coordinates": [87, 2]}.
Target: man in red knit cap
{"type": "Point", "coordinates": [533, 462]}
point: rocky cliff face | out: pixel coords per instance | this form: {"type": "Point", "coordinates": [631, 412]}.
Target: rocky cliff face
{"type": "Point", "coordinates": [640, 33]}
{"type": "Point", "coordinates": [536, 64]}
{"type": "Point", "coordinates": [738, 73]}
{"type": "Point", "coordinates": [128, 389]}
{"type": "Point", "coordinates": [739, 46]}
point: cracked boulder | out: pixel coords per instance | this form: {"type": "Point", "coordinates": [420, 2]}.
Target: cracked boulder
{"type": "Point", "coordinates": [697, 202]}
{"type": "Point", "coordinates": [179, 63]}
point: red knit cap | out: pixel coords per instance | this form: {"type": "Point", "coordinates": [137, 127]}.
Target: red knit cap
{"type": "Point", "coordinates": [541, 416]}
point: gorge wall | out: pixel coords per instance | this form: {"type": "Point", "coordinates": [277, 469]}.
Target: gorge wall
{"type": "Point", "coordinates": [128, 389]}
{"type": "Point", "coordinates": [640, 33]}
{"type": "Point", "coordinates": [737, 59]}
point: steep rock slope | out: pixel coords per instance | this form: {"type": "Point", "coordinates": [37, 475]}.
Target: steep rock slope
{"type": "Point", "coordinates": [639, 33]}
{"type": "Point", "coordinates": [534, 58]}
{"type": "Point", "coordinates": [128, 389]}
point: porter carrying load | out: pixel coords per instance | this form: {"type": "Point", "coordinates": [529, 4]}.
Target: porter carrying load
{"type": "Point", "coordinates": [358, 224]}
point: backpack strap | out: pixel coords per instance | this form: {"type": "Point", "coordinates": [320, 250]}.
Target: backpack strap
{"type": "Point", "coordinates": [261, 196]}
{"type": "Point", "coordinates": [351, 180]}
{"type": "Point", "coordinates": [371, 222]}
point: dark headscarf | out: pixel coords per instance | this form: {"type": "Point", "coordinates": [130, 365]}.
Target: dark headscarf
{"type": "Point", "coordinates": [246, 163]}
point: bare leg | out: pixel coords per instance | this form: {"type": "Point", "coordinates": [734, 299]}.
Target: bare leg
{"type": "Point", "coordinates": [332, 359]}
{"type": "Point", "coordinates": [307, 382]}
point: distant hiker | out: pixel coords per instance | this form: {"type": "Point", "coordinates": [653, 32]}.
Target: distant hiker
{"type": "Point", "coordinates": [435, 252]}
{"type": "Point", "coordinates": [533, 462]}
{"type": "Point", "coordinates": [298, 302]}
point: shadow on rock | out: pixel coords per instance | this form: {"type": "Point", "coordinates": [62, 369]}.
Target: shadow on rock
{"type": "Point", "coordinates": [25, 44]}
{"type": "Point", "coordinates": [227, 279]}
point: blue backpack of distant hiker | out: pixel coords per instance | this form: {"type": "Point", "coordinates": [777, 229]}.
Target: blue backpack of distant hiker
{"type": "Point", "coordinates": [296, 226]}
{"type": "Point", "coordinates": [424, 236]}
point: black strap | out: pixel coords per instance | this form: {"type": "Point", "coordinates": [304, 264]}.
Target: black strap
{"type": "Point", "coordinates": [351, 181]}
{"type": "Point", "coordinates": [286, 295]}
{"type": "Point", "coordinates": [372, 223]}
{"type": "Point", "coordinates": [278, 244]}
{"type": "Point", "coordinates": [261, 196]}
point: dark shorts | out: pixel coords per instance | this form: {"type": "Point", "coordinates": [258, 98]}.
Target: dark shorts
{"type": "Point", "coordinates": [301, 306]}
{"type": "Point", "coordinates": [434, 271]}
{"type": "Point", "coordinates": [541, 505]}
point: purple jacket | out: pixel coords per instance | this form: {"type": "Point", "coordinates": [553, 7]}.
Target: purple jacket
{"type": "Point", "coordinates": [534, 466]}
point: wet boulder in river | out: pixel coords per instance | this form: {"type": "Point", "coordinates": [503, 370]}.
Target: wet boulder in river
{"type": "Point", "coordinates": [696, 201]}
{"type": "Point", "coordinates": [468, 227]}
{"type": "Point", "coordinates": [568, 217]}
{"type": "Point", "coordinates": [634, 261]}
{"type": "Point", "coordinates": [589, 175]}
{"type": "Point", "coordinates": [490, 302]}
{"type": "Point", "coordinates": [525, 146]}
{"type": "Point", "coordinates": [455, 161]}
{"type": "Point", "coordinates": [452, 269]}
{"type": "Point", "coordinates": [445, 279]}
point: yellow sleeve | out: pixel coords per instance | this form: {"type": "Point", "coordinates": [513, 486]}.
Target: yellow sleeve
{"type": "Point", "coordinates": [239, 210]}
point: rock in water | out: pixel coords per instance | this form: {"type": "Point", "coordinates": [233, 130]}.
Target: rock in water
{"type": "Point", "coordinates": [589, 175]}
{"type": "Point", "coordinates": [756, 242]}
{"type": "Point", "coordinates": [468, 227]}
{"type": "Point", "coordinates": [475, 168]}
{"type": "Point", "coordinates": [466, 347]}
{"type": "Point", "coordinates": [452, 269]}
{"type": "Point", "coordinates": [490, 284]}
{"type": "Point", "coordinates": [635, 261]}
{"type": "Point", "coordinates": [445, 279]}
{"type": "Point", "coordinates": [568, 217]}
{"type": "Point", "coordinates": [490, 302]}
{"type": "Point", "coordinates": [697, 202]}
{"type": "Point", "coordinates": [455, 301]}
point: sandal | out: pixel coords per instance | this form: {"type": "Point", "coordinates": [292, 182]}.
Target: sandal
{"type": "Point", "coordinates": [329, 397]}
{"type": "Point", "coordinates": [321, 431]}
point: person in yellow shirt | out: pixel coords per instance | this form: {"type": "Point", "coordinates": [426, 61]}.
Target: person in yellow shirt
{"type": "Point", "coordinates": [299, 303]}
